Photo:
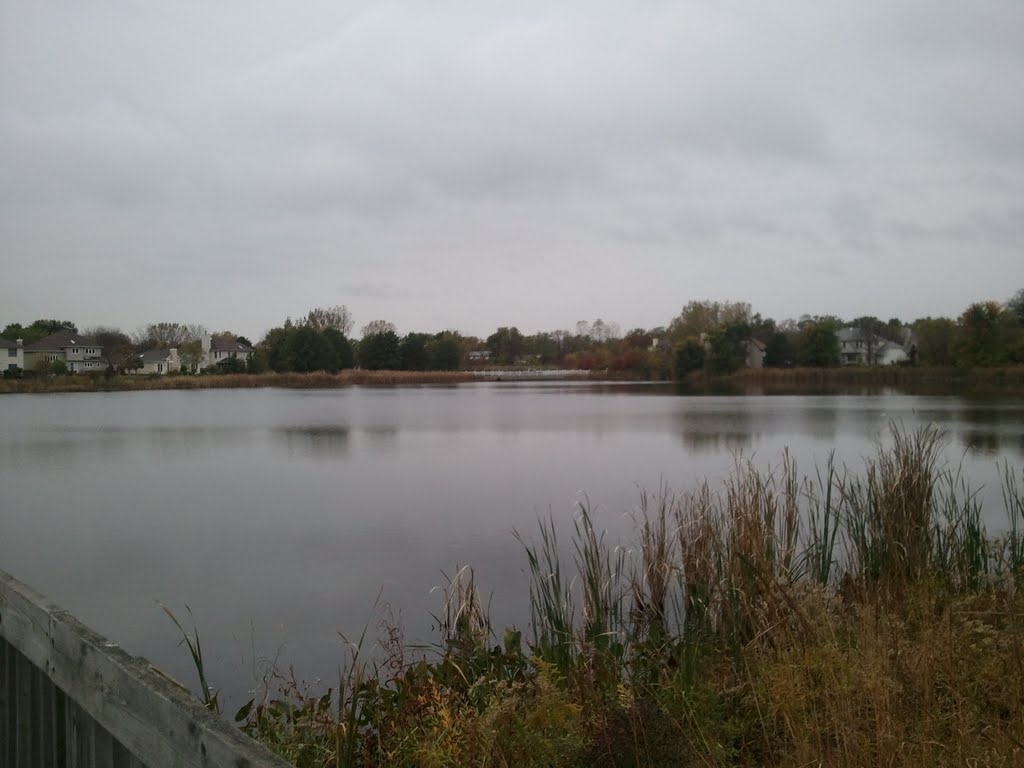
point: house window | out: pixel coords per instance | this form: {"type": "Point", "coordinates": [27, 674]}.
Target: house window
{"type": "Point", "coordinates": [12, 367]}
{"type": "Point", "coordinates": [12, 352]}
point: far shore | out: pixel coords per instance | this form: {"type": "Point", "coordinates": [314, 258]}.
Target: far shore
{"type": "Point", "coordinates": [1007, 380]}
{"type": "Point", "coordinates": [312, 380]}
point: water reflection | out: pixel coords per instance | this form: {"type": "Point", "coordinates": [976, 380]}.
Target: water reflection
{"type": "Point", "coordinates": [992, 427]}
{"type": "Point", "coordinates": [982, 441]}
{"type": "Point", "coordinates": [56, 452]}
{"type": "Point", "coordinates": [316, 442]}
{"type": "Point", "coordinates": [715, 431]}
{"type": "Point", "coordinates": [293, 508]}
{"type": "Point", "coordinates": [381, 440]}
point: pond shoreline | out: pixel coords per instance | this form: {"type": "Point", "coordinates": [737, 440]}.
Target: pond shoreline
{"type": "Point", "coordinates": [1008, 380]}
{"type": "Point", "coordinates": [313, 380]}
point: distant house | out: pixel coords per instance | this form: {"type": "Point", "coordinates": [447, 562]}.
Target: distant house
{"type": "Point", "coordinates": [891, 353]}
{"type": "Point", "coordinates": [79, 353]}
{"type": "Point", "coordinates": [755, 354]}
{"type": "Point", "coordinates": [158, 361]}
{"type": "Point", "coordinates": [217, 351]}
{"type": "Point", "coordinates": [479, 356]}
{"type": "Point", "coordinates": [857, 348]}
{"type": "Point", "coordinates": [12, 355]}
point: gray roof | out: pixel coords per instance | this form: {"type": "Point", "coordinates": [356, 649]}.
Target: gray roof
{"type": "Point", "coordinates": [155, 356]}
{"type": "Point", "coordinates": [7, 343]}
{"type": "Point", "coordinates": [62, 340]}
{"type": "Point", "coordinates": [223, 345]}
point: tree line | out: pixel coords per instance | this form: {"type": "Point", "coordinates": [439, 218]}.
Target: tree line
{"type": "Point", "coordinates": [714, 336]}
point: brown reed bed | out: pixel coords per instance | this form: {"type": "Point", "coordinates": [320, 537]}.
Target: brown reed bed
{"type": "Point", "coordinates": [314, 380]}
{"type": "Point", "coordinates": [909, 378]}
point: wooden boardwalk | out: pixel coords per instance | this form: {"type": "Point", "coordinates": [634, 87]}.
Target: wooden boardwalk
{"type": "Point", "coordinates": [70, 698]}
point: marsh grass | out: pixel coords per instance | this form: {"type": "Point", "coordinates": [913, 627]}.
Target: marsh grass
{"type": "Point", "coordinates": [890, 375]}
{"type": "Point", "coordinates": [840, 618]}
{"type": "Point", "coordinates": [207, 694]}
{"type": "Point", "coordinates": [1011, 546]}
{"type": "Point", "coordinates": [314, 380]}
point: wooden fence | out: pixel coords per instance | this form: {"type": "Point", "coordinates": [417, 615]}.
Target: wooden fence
{"type": "Point", "coordinates": [69, 698]}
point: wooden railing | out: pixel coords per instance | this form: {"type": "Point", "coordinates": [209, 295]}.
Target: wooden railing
{"type": "Point", "coordinates": [69, 698]}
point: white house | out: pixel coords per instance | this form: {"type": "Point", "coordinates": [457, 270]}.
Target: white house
{"type": "Point", "coordinates": [755, 354]}
{"type": "Point", "coordinates": [857, 348]}
{"type": "Point", "coordinates": [158, 361]}
{"type": "Point", "coordinates": [79, 353]}
{"type": "Point", "coordinates": [217, 351]}
{"type": "Point", "coordinates": [12, 355]}
{"type": "Point", "coordinates": [890, 353]}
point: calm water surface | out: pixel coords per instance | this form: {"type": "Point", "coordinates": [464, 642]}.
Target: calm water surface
{"type": "Point", "coordinates": [280, 515]}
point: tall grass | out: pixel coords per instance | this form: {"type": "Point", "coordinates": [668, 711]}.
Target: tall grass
{"type": "Point", "coordinates": [842, 618]}
{"type": "Point", "coordinates": [891, 523]}
{"type": "Point", "coordinates": [1011, 546]}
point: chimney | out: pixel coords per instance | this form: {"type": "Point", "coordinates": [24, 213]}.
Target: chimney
{"type": "Point", "coordinates": [20, 342]}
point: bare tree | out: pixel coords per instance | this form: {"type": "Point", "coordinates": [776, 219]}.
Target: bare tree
{"type": "Point", "coordinates": [191, 355]}
{"type": "Point", "coordinates": [118, 350]}
{"type": "Point", "coordinates": [1016, 304]}
{"type": "Point", "coordinates": [338, 318]}
{"type": "Point", "coordinates": [375, 327]}
{"type": "Point", "coordinates": [870, 328]}
{"type": "Point", "coordinates": [167, 335]}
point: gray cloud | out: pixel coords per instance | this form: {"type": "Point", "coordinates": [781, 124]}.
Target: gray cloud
{"type": "Point", "coordinates": [468, 165]}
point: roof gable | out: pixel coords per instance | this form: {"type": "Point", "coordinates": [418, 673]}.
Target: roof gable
{"type": "Point", "coordinates": [155, 356]}
{"type": "Point", "coordinates": [223, 345]}
{"type": "Point", "coordinates": [62, 340]}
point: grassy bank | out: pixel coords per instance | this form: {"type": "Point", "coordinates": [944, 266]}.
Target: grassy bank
{"type": "Point", "coordinates": [833, 619]}
{"type": "Point", "coordinates": [316, 380]}
{"type": "Point", "coordinates": [1008, 379]}
{"type": "Point", "coordinates": [313, 380]}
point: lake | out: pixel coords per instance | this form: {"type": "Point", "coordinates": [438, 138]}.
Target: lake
{"type": "Point", "coordinates": [281, 516]}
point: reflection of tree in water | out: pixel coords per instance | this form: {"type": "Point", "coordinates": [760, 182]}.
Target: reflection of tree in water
{"type": "Point", "coordinates": [707, 431]}
{"type": "Point", "coordinates": [381, 439]}
{"type": "Point", "coordinates": [981, 441]}
{"type": "Point", "coordinates": [821, 420]}
{"type": "Point", "coordinates": [319, 442]}
{"type": "Point", "coordinates": [988, 415]}
{"type": "Point", "coordinates": [991, 429]}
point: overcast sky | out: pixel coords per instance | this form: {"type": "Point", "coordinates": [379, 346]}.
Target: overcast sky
{"type": "Point", "coordinates": [473, 164]}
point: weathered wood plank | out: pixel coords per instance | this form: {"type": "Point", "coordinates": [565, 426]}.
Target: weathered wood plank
{"type": "Point", "coordinates": [47, 733]}
{"type": "Point", "coordinates": [149, 715]}
{"type": "Point", "coordinates": [79, 749]}
{"type": "Point", "coordinates": [25, 620]}
{"type": "Point", "coordinates": [6, 703]}
{"type": "Point", "coordinates": [102, 747]}
{"type": "Point", "coordinates": [24, 712]}
{"type": "Point", "coordinates": [122, 758]}
{"type": "Point", "coordinates": [60, 738]}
